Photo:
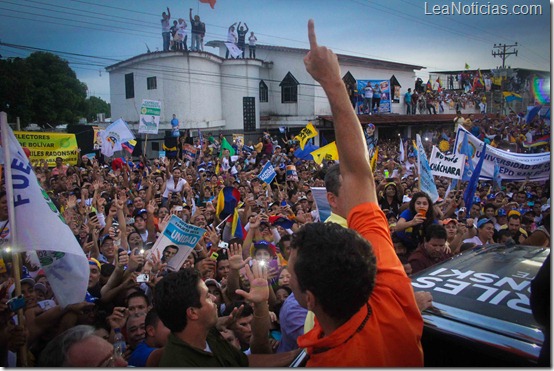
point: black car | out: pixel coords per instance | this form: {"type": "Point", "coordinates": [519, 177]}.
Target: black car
{"type": "Point", "coordinates": [481, 314]}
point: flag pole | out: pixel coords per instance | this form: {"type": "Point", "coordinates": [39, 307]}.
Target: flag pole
{"type": "Point", "coordinates": [145, 141]}
{"type": "Point", "coordinates": [22, 352]}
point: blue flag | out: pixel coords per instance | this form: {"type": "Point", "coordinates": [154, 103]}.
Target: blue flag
{"type": "Point", "coordinates": [426, 177]}
{"type": "Point", "coordinates": [472, 185]}
{"type": "Point", "coordinates": [466, 150]}
{"type": "Point", "coordinates": [497, 178]}
{"type": "Point", "coordinates": [268, 173]}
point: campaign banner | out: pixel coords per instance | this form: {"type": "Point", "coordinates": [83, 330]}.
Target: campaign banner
{"type": "Point", "coordinates": [150, 111]}
{"type": "Point", "coordinates": [233, 50]}
{"type": "Point", "coordinates": [189, 151]}
{"type": "Point", "coordinates": [48, 146]}
{"type": "Point", "coordinates": [176, 242]}
{"type": "Point", "coordinates": [449, 166]}
{"type": "Point", "coordinates": [512, 166]}
{"type": "Point", "coordinates": [385, 95]}
{"type": "Point", "coordinates": [268, 173]}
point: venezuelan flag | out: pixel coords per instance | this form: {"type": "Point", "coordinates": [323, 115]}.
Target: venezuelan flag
{"type": "Point", "coordinates": [227, 202]}
{"type": "Point", "coordinates": [129, 146]}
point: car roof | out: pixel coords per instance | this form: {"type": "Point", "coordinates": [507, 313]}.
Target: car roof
{"type": "Point", "coordinates": [487, 288]}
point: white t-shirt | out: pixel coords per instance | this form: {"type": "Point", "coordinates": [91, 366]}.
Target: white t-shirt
{"type": "Point", "coordinates": [171, 187]}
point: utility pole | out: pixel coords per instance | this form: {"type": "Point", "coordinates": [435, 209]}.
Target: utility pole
{"type": "Point", "coordinates": [502, 53]}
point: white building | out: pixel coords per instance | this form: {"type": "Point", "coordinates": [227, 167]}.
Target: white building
{"type": "Point", "coordinates": [206, 91]}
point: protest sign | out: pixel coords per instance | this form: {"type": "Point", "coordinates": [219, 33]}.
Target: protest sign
{"type": "Point", "coordinates": [176, 242]}
{"type": "Point", "coordinates": [150, 111]}
{"type": "Point", "coordinates": [512, 166]}
{"type": "Point", "coordinates": [449, 166]}
{"type": "Point", "coordinates": [291, 173]}
{"type": "Point", "coordinates": [48, 146]}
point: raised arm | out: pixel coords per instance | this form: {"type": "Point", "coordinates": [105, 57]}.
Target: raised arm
{"type": "Point", "coordinates": [322, 64]}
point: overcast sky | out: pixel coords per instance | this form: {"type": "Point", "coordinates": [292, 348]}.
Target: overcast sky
{"type": "Point", "coordinates": [101, 32]}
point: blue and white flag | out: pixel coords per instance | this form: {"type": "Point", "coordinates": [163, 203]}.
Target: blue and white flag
{"type": "Point", "coordinates": [401, 151]}
{"type": "Point", "coordinates": [497, 178]}
{"type": "Point", "coordinates": [41, 229]}
{"type": "Point", "coordinates": [469, 194]}
{"type": "Point", "coordinates": [427, 182]}
{"type": "Point", "coordinates": [466, 150]}
{"type": "Point", "coordinates": [268, 173]}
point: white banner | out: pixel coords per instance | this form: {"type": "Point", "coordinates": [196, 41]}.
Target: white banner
{"type": "Point", "coordinates": [42, 229]}
{"type": "Point", "coordinates": [178, 238]}
{"type": "Point", "coordinates": [233, 50]}
{"type": "Point", "coordinates": [150, 111]}
{"type": "Point", "coordinates": [449, 166]}
{"type": "Point", "coordinates": [513, 166]}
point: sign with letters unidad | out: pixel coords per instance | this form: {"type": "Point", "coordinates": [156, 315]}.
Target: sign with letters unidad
{"type": "Point", "coordinates": [181, 237]}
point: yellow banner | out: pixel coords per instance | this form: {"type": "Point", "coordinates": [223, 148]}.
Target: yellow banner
{"type": "Point", "coordinates": [327, 153]}
{"type": "Point", "coordinates": [373, 162]}
{"type": "Point", "coordinates": [306, 133]}
{"type": "Point", "coordinates": [48, 146]}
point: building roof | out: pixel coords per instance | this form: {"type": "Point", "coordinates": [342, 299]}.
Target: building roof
{"type": "Point", "coordinates": [524, 71]}
{"type": "Point", "coordinates": [342, 57]}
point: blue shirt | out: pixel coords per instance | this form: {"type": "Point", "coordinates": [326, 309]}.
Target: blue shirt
{"type": "Point", "coordinates": [140, 354]}
{"type": "Point", "coordinates": [291, 317]}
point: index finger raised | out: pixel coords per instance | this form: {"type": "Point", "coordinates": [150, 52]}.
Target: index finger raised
{"type": "Point", "coordinates": [311, 34]}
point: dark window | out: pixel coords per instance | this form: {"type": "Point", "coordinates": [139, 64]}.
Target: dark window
{"type": "Point", "coordinates": [129, 86]}
{"type": "Point", "coordinates": [289, 89]}
{"type": "Point", "coordinates": [151, 83]}
{"type": "Point", "coordinates": [264, 92]}
{"type": "Point", "coordinates": [249, 113]}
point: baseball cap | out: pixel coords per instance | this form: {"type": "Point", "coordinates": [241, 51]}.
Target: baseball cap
{"type": "Point", "coordinates": [545, 207]}
{"type": "Point", "coordinates": [139, 212]}
{"type": "Point", "coordinates": [92, 261]}
{"type": "Point", "coordinates": [277, 146]}
{"type": "Point", "coordinates": [448, 220]}
{"type": "Point", "coordinates": [211, 281]}
{"type": "Point", "coordinates": [104, 238]}
{"type": "Point", "coordinates": [500, 212]}
{"type": "Point", "coordinates": [514, 212]}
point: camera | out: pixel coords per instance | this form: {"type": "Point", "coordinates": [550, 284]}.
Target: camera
{"type": "Point", "coordinates": [16, 303]}
{"type": "Point", "coordinates": [223, 245]}
{"type": "Point", "coordinates": [214, 256]}
{"type": "Point", "coordinates": [144, 277]}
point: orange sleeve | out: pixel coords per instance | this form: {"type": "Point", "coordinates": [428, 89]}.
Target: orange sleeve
{"type": "Point", "coordinates": [370, 221]}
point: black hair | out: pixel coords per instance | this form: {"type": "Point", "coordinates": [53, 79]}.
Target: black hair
{"type": "Point", "coordinates": [137, 294]}
{"type": "Point", "coordinates": [337, 265]}
{"type": "Point", "coordinates": [152, 318]}
{"type": "Point", "coordinates": [174, 294]}
{"type": "Point", "coordinates": [247, 310]}
{"type": "Point", "coordinates": [332, 179]}
{"type": "Point", "coordinates": [435, 231]}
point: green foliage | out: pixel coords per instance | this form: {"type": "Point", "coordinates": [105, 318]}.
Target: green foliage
{"type": "Point", "coordinates": [41, 89]}
{"type": "Point", "coordinates": [96, 105]}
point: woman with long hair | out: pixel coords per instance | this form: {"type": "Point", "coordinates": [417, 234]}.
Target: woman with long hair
{"type": "Point", "coordinates": [413, 221]}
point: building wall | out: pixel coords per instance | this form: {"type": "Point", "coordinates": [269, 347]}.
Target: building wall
{"type": "Point", "coordinates": [206, 91]}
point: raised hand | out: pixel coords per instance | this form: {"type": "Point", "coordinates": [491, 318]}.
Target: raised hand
{"type": "Point", "coordinates": [235, 256]}
{"type": "Point", "coordinates": [321, 62]}
{"type": "Point", "coordinates": [259, 289]}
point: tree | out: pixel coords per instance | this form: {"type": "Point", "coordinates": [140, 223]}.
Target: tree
{"type": "Point", "coordinates": [96, 105]}
{"type": "Point", "coordinates": [41, 89]}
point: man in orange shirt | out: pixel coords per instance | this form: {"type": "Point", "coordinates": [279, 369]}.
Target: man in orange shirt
{"type": "Point", "coordinates": [366, 313]}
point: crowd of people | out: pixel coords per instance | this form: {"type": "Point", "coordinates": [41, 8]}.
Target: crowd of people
{"type": "Point", "coordinates": [175, 37]}
{"type": "Point", "coordinates": [338, 287]}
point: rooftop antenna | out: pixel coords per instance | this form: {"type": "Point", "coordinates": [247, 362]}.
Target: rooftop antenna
{"type": "Point", "coordinates": [147, 48]}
